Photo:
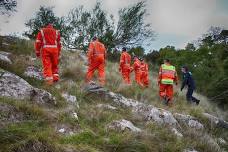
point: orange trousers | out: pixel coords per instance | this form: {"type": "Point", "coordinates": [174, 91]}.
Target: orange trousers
{"type": "Point", "coordinates": [144, 79]}
{"type": "Point", "coordinates": [96, 64]}
{"type": "Point", "coordinates": [126, 71]}
{"type": "Point", "coordinates": [50, 60]}
{"type": "Point", "coordinates": [138, 77]}
{"type": "Point", "coordinates": [166, 90]}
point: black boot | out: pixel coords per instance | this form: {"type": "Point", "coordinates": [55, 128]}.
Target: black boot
{"type": "Point", "coordinates": [197, 102]}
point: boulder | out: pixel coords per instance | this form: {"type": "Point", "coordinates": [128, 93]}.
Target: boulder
{"type": "Point", "coordinates": [123, 125]}
{"type": "Point", "coordinates": [13, 86]}
{"type": "Point", "coordinates": [106, 106]}
{"type": "Point", "coordinates": [69, 98]}
{"type": "Point", "coordinates": [188, 120]}
{"type": "Point", "coordinates": [4, 57]}
{"type": "Point", "coordinates": [33, 72]}
{"type": "Point", "coordinates": [157, 115]}
{"type": "Point", "coordinates": [176, 132]}
{"type": "Point", "coordinates": [216, 121]}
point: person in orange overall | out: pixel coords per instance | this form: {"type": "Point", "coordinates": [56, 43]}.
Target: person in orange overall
{"type": "Point", "coordinates": [96, 60]}
{"type": "Point", "coordinates": [144, 73]}
{"type": "Point", "coordinates": [125, 66]}
{"type": "Point", "coordinates": [48, 47]}
{"type": "Point", "coordinates": [137, 68]}
{"type": "Point", "coordinates": [166, 78]}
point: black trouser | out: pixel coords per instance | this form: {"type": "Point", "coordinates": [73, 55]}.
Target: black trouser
{"type": "Point", "coordinates": [189, 95]}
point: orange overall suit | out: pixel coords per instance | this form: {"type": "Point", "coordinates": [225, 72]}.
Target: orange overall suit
{"type": "Point", "coordinates": [96, 59]}
{"type": "Point", "coordinates": [48, 46]}
{"type": "Point", "coordinates": [144, 74]}
{"type": "Point", "coordinates": [137, 69]}
{"type": "Point", "coordinates": [167, 77]}
{"type": "Point", "coordinates": [125, 67]}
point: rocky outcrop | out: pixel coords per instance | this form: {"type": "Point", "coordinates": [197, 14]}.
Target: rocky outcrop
{"type": "Point", "coordinates": [13, 86]}
{"type": "Point", "coordinates": [148, 112]}
{"type": "Point", "coordinates": [106, 106]}
{"type": "Point", "coordinates": [5, 57]}
{"type": "Point", "coordinates": [9, 114]}
{"type": "Point", "coordinates": [216, 121]}
{"type": "Point", "coordinates": [33, 72]}
{"type": "Point", "coordinates": [123, 125]}
{"type": "Point", "coordinates": [70, 98]}
{"type": "Point", "coordinates": [188, 120]}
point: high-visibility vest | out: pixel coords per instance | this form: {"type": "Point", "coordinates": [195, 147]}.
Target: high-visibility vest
{"type": "Point", "coordinates": [167, 74]}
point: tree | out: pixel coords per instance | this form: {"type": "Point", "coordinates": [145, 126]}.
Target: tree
{"type": "Point", "coordinates": [153, 56]}
{"type": "Point", "coordinates": [138, 51]}
{"type": "Point", "coordinates": [7, 6]}
{"type": "Point", "coordinates": [43, 17]}
{"type": "Point", "coordinates": [131, 28]}
{"type": "Point", "coordinates": [83, 25]}
{"type": "Point", "coordinates": [190, 47]}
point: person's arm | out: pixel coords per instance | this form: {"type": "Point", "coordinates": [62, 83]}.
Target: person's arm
{"type": "Point", "coordinates": [184, 81]}
{"type": "Point", "coordinates": [90, 52]}
{"type": "Point", "coordinates": [176, 79]}
{"type": "Point", "coordinates": [38, 44]}
{"type": "Point", "coordinates": [59, 45]}
{"type": "Point", "coordinates": [159, 76]}
{"type": "Point", "coordinates": [105, 53]}
{"type": "Point", "coordinates": [121, 62]}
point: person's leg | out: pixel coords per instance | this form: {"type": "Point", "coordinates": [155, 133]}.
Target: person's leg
{"type": "Point", "coordinates": [55, 62]}
{"type": "Point", "coordinates": [162, 93]}
{"type": "Point", "coordinates": [90, 72]}
{"type": "Point", "coordinates": [47, 66]}
{"type": "Point", "coordinates": [189, 95]}
{"type": "Point", "coordinates": [169, 93]}
{"type": "Point", "coordinates": [101, 73]}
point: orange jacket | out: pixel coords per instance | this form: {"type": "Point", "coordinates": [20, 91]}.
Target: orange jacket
{"type": "Point", "coordinates": [144, 68]}
{"type": "Point", "coordinates": [137, 65]}
{"type": "Point", "coordinates": [96, 50]}
{"type": "Point", "coordinates": [48, 37]}
{"type": "Point", "coordinates": [167, 75]}
{"type": "Point", "coordinates": [125, 60]}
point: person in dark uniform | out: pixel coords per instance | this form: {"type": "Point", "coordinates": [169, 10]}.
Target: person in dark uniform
{"type": "Point", "coordinates": [189, 81]}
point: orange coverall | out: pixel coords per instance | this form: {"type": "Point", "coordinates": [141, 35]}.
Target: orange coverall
{"type": "Point", "coordinates": [96, 59]}
{"type": "Point", "coordinates": [125, 67]}
{"type": "Point", "coordinates": [166, 90]}
{"type": "Point", "coordinates": [137, 69]}
{"type": "Point", "coordinates": [144, 74]}
{"type": "Point", "coordinates": [48, 46]}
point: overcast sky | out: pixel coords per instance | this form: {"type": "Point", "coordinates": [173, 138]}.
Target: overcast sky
{"type": "Point", "coordinates": [175, 21]}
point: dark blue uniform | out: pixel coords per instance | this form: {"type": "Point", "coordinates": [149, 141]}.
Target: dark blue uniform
{"type": "Point", "coordinates": [189, 81]}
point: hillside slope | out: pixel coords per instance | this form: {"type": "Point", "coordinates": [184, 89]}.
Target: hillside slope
{"type": "Point", "coordinates": [75, 117]}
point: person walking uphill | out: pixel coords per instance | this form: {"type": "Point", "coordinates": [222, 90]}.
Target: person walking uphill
{"type": "Point", "coordinates": [189, 81]}
{"type": "Point", "coordinates": [48, 47]}
{"type": "Point", "coordinates": [137, 68]}
{"type": "Point", "coordinates": [144, 73]}
{"type": "Point", "coordinates": [166, 78]}
{"type": "Point", "coordinates": [96, 60]}
{"type": "Point", "coordinates": [125, 66]}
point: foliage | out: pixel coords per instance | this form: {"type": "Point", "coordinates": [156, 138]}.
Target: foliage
{"type": "Point", "coordinates": [208, 63]}
{"type": "Point", "coordinates": [81, 25]}
{"type": "Point", "coordinates": [7, 6]}
{"type": "Point", "coordinates": [43, 17]}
